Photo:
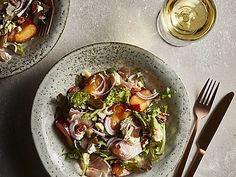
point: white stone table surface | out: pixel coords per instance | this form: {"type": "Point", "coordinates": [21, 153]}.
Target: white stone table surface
{"type": "Point", "coordinates": [133, 22]}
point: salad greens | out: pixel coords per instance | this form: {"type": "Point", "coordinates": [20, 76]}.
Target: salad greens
{"type": "Point", "coordinates": [118, 95]}
{"type": "Point", "coordinates": [79, 99]}
{"type": "Point", "coordinates": [111, 117]}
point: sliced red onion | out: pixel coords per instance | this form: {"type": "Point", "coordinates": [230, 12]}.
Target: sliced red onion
{"type": "Point", "coordinates": [107, 125]}
{"type": "Point", "coordinates": [149, 97]}
{"type": "Point", "coordinates": [129, 85]}
{"type": "Point", "coordinates": [102, 83]}
{"type": "Point", "coordinates": [112, 86]}
{"type": "Point", "coordinates": [102, 86]}
{"type": "Point", "coordinates": [99, 133]}
{"type": "Point", "coordinates": [130, 78]}
{"type": "Point", "coordinates": [24, 9]}
{"type": "Point", "coordinates": [75, 115]}
{"type": "Point", "coordinates": [20, 5]}
{"type": "Point", "coordinates": [104, 93]}
{"type": "Point", "coordinates": [112, 140]}
{"type": "Point", "coordinates": [72, 131]}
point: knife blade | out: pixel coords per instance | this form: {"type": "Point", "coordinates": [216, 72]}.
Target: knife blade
{"type": "Point", "coordinates": [208, 131]}
{"type": "Point", "coordinates": [214, 121]}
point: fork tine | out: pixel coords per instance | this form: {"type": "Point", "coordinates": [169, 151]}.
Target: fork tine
{"type": "Point", "coordinates": [47, 29]}
{"type": "Point", "coordinates": [202, 91]}
{"type": "Point", "coordinates": [210, 93]}
{"type": "Point", "coordinates": [44, 27]}
{"type": "Point", "coordinates": [206, 92]}
{"type": "Point", "coordinates": [48, 23]}
{"type": "Point", "coordinates": [41, 29]}
{"type": "Point", "coordinates": [213, 96]}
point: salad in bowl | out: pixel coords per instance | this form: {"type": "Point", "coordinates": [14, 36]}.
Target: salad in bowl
{"type": "Point", "coordinates": [19, 23]}
{"type": "Point", "coordinates": [113, 124]}
{"type": "Point", "coordinates": [90, 119]}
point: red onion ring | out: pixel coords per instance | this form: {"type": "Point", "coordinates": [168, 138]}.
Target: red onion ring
{"type": "Point", "coordinates": [74, 115]}
{"type": "Point", "coordinates": [24, 9]}
{"type": "Point", "coordinates": [130, 85]}
{"type": "Point", "coordinates": [102, 86]}
{"type": "Point", "coordinates": [130, 78]}
{"type": "Point", "coordinates": [107, 126]}
{"type": "Point", "coordinates": [102, 83]}
{"type": "Point", "coordinates": [20, 5]}
{"type": "Point", "coordinates": [150, 97]}
{"type": "Point", "coordinates": [112, 140]}
{"type": "Point", "coordinates": [112, 86]}
{"type": "Point", "coordinates": [72, 131]}
{"type": "Point", "coordinates": [104, 93]}
{"type": "Point", "coordinates": [99, 133]}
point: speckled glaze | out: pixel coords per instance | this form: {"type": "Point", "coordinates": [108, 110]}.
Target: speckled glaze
{"type": "Point", "coordinates": [98, 57]}
{"type": "Point", "coordinates": [37, 49]}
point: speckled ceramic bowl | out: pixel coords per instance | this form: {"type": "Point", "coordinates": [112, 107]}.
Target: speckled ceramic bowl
{"type": "Point", "coordinates": [97, 57]}
{"type": "Point", "coordinates": [37, 50]}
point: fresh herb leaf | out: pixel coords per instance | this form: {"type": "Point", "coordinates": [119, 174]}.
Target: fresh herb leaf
{"type": "Point", "coordinates": [104, 153]}
{"type": "Point", "coordinates": [164, 109]}
{"type": "Point", "coordinates": [110, 71]}
{"type": "Point", "coordinates": [74, 154]}
{"type": "Point", "coordinates": [140, 118]}
{"type": "Point", "coordinates": [85, 161]}
{"type": "Point", "coordinates": [79, 99]}
{"type": "Point", "coordinates": [141, 82]}
{"type": "Point", "coordinates": [119, 94]}
{"type": "Point", "coordinates": [168, 93]}
{"type": "Point", "coordinates": [80, 81]}
{"type": "Point", "coordinates": [139, 163]}
{"type": "Point", "coordinates": [91, 114]}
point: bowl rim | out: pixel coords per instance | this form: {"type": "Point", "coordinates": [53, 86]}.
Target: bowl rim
{"type": "Point", "coordinates": [188, 112]}
{"type": "Point", "coordinates": [26, 67]}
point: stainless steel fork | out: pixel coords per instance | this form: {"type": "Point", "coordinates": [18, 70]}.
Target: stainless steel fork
{"type": "Point", "coordinates": [201, 109]}
{"type": "Point", "coordinates": [45, 27]}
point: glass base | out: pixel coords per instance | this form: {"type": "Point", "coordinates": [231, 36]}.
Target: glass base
{"type": "Point", "coordinates": [166, 35]}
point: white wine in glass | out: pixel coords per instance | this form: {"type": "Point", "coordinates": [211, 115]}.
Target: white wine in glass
{"type": "Point", "coordinates": [180, 22]}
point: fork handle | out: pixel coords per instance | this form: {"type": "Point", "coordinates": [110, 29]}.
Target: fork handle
{"type": "Point", "coordinates": [194, 164]}
{"type": "Point", "coordinates": [180, 168]}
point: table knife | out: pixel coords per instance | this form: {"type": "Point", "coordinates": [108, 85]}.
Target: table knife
{"type": "Point", "coordinates": [208, 132]}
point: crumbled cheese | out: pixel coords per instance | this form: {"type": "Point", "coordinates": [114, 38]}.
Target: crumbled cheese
{"type": "Point", "coordinates": [99, 126]}
{"type": "Point", "coordinates": [10, 9]}
{"type": "Point", "coordinates": [86, 74]}
{"type": "Point", "coordinates": [92, 149]}
{"type": "Point", "coordinates": [19, 29]}
{"type": "Point", "coordinates": [102, 115]}
{"type": "Point", "coordinates": [39, 8]}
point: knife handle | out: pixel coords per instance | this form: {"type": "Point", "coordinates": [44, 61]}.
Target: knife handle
{"type": "Point", "coordinates": [195, 162]}
{"type": "Point", "coordinates": [180, 168]}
